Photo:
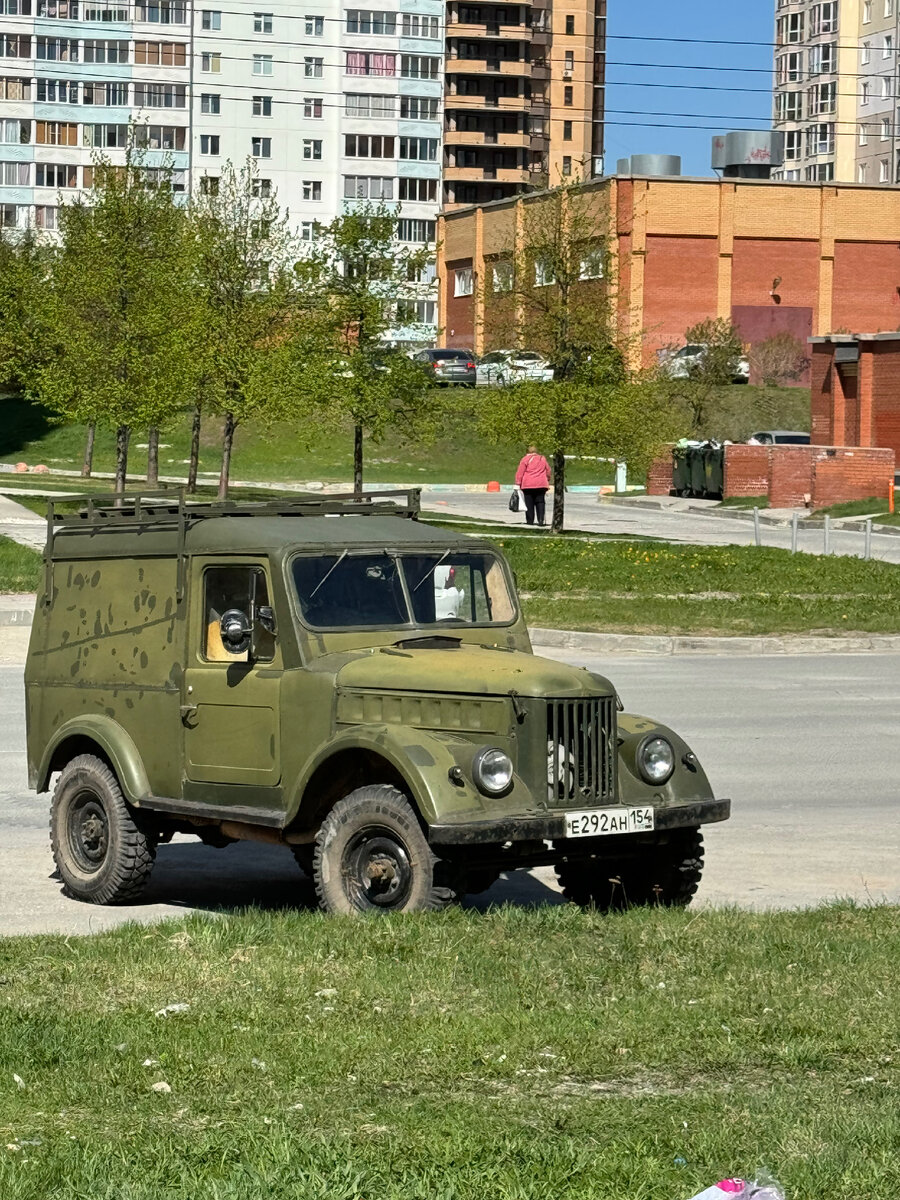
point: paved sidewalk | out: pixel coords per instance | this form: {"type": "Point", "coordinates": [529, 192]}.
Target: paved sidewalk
{"type": "Point", "coordinates": [21, 525]}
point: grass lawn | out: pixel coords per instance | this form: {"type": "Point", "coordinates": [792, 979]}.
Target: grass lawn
{"type": "Point", "coordinates": [20, 567]}
{"type": "Point", "coordinates": [517, 1054]}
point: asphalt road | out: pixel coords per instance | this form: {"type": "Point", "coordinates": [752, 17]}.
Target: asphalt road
{"type": "Point", "coordinates": [804, 746]}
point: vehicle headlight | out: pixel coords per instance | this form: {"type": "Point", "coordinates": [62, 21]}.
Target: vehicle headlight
{"type": "Point", "coordinates": [656, 760]}
{"type": "Point", "coordinates": [492, 771]}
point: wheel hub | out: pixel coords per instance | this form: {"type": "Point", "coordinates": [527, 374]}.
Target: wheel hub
{"type": "Point", "coordinates": [88, 832]}
{"type": "Point", "coordinates": [376, 870]}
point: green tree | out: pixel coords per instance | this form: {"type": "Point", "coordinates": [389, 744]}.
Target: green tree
{"type": "Point", "coordinates": [248, 303]}
{"type": "Point", "coordinates": [715, 367]}
{"type": "Point", "coordinates": [119, 308]}
{"type": "Point", "coordinates": [23, 269]}
{"type": "Point", "coordinates": [355, 276]}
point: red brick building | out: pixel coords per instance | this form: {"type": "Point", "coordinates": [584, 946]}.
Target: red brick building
{"type": "Point", "coordinates": [855, 390]}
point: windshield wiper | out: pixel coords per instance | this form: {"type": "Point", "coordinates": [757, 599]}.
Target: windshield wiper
{"type": "Point", "coordinates": [328, 573]}
{"type": "Point", "coordinates": [433, 641]}
{"type": "Point", "coordinates": [431, 572]}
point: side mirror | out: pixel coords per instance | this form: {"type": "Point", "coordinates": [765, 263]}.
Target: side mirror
{"type": "Point", "coordinates": [235, 629]}
{"type": "Point", "coordinates": [266, 618]}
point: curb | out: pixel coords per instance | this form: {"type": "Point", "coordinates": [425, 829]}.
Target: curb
{"type": "Point", "coordinates": [634, 643]}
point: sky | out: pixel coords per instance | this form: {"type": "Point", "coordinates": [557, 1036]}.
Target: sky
{"type": "Point", "coordinates": [636, 89]}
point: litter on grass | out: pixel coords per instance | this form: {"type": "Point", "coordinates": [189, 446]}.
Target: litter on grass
{"type": "Point", "coordinates": [742, 1189]}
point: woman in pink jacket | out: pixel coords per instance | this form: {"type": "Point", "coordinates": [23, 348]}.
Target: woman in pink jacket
{"type": "Point", "coordinates": [533, 477]}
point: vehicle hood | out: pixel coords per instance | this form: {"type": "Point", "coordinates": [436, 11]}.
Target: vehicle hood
{"type": "Point", "coordinates": [468, 670]}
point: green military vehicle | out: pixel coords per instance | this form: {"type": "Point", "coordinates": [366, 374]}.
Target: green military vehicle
{"type": "Point", "coordinates": [335, 676]}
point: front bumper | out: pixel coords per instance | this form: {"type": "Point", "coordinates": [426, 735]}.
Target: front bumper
{"type": "Point", "coordinates": [553, 828]}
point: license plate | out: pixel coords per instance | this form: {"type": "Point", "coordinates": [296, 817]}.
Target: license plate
{"type": "Point", "coordinates": [599, 822]}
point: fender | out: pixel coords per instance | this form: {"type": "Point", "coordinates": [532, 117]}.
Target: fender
{"type": "Point", "coordinates": [115, 743]}
{"type": "Point", "coordinates": [422, 759]}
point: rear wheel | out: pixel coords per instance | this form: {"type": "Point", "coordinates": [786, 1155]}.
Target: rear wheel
{"type": "Point", "coordinates": [666, 873]}
{"type": "Point", "coordinates": [371, 856]}
{"type": "Point", "coordinates": [101, 853]}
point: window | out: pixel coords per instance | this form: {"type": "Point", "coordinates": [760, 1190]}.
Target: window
{"type": "Point", "coordinates": [359, 62]}
{"type": "Point", "coordinates": [867, 11]}
{"type": "Point", "coordinates": [105, 51]}
{"type": "Point", "coordinates": [420, 191]}
{"type": "Point", "coordinates": [15, 174]}
{"type": "Point", "coordinates": [381, 24]}
{"type": "Point", "coordinates": [64, 49]}
{"type": "Point", "coordinates": [209, 143]}
{"type": "Point", "coordinates": [262, 22]}
{"type": "Point", "coordinates": [211, 63]}
{"type": "Point", "coordinates": [262, 188]}
{"type": "Point", "coordinates": [591, 264]}
{"type": "Point", "coordinates": [308, 231]}
{"type": "Point", "coordinates": [863, 135]}
{"type": "Point", "coordinates": [544, 274]}
{"type": "Point", "coordinates": [312, 189]}
{"type": "Point", "coordinates": [261, 147]}
{"type": "Point", "coordinates": [823, 59]}
{"type": "Point", "coordinates": [210, 103]}
{"type": "Point", "coordinates": [377, 107]}
{"type": "Point", "coordinates": [364, 145]}
{"type": "Point", "coordinates": [866, 53]}
{"type": "Point", "coordinates": [567, 131]}
{"type": "Point", "coordinates": [15, 8]}
{"type": "Point", "coordinates": [567, 164]}
{"type": "Point", "coordinates": [56, 175]}
{"type": "Point", "coordinates": [111, 95]}
{"type": "Point", "coordinates": [570, 25]}
{"type": "Point", "coordinates": [66, 9]}
{"type": "Point", "coordinates": [45, 216]}
{"type": "Point", "coordinates": [789, 106]}
{"type": "Point", "coordinates": [56, 133]}
{"type": "Point", "coordinates": [887, 87]}
{"type": "Point", "coordinates": [160, 137]}
{"type": "Point", "coordinates": [888, 8]}
{"type": "Point", "coordinates": [884, 171]}
{"type": "Point", "coordinates": [312, 148]}
{"type": "Point", "coordinates": [313, 26]}
{"type": "Point", "coordinates": [312, 108]}
{"type": "Point", "coordinates": [820, 139]}
{"type": "Point", "coordinates": [312, 68]}
{"type": "Point", "coordinates": [419, 149]}
{"type": "Point", "coordinates": [789, 67]}
{"type": "Point", "coordinates": [105, 12]}
{"type": "Point", "coordinates": [211, 20]}
{"type": "Point", "coordinates": [502, 277]}
{"type": "Point", "coordinates": [864, 91]}
{"type": "Point", "coordinates": [418, 108]}
{"type": "Point", "coordinates": [424, 27]}
{"type": "Point", "coordinates": [793, 146]}
{"type": "Point", "coordinates": [160, 54]}
{"type": "Point", "coordinates": [262, 106]}
{"type": "Point", "coordinates": [416, 312]}
{"type": "Point", "coordinates": [18, 45]}
{"type": "Point", "coordinates": [13, 216]}
{"type": "Point", "coordinates": [862, 172]}
{"type": "Point", "coordinates": [105, 137]}
{"type": "Point", "coordinates": [159, 95]}
{"type": "Point", "coordinates": [411, 229]}
{"type": "Point", "coordinates": [417, 66]}
{"type": "Point", "coordinates": [368, 187]}
{"type": "Point", "coordinates": [237, 589]}
{"type": "Point", "coordinates": [888, 48]}
{"type": "Point", "coordinates": [58, 91]}
{"type": "Point", "coordinates": [162, 12]}
{"type": "Point", "coordinates": [262, 64]}
{"type": "Point", "coordinates": [158, 177]}
{"type": "Point", "coordinates": [209, 185]}
{"type": "Point", "coordinates": [463, 283]}
{"type": "Point", "coordinates": [790, 29]}
{"type": "Point", "coordinates": [569, 62]}
{"type": "Point", "coordinates": [885, 128]}
{"type": "Point", "coordinates": [14, 132]}
{"type": "Point", "coordinates": [823, 98]}
{"type": "Point", "coordinates": [15, 89]}
{"type": "Point", "coordinates": [567, 95]}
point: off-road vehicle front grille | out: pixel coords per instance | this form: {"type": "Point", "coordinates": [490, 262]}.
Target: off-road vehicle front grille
{"type": "Point", "coordinates": [581, 751]}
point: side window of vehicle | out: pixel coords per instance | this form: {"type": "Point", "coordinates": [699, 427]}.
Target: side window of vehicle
{"type": "Point", "coordinates": [234, 599]}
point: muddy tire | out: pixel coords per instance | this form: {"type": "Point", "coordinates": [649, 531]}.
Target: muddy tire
{"type": "Point", "coordinates": [665, 874]}
{"type": "Point", "coordinates": [101, 853]}
{"type": "Point", "coordinates": [371, 856]}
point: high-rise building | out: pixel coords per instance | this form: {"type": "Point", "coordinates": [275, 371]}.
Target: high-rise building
{"type": "Point", "coordinates": [816, 87]}
{"type": "Point", "coordinates": [877, 133]}
{"type": "Point", "coordinates": [333, 104]}
{"type": "Point", "coordinates": [524, 96]}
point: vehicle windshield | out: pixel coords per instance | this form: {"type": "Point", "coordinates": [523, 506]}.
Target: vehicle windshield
{"type": "Point", "coordinates": [448, 355]}
{"type": "Point", "coordinates": [351, 591]}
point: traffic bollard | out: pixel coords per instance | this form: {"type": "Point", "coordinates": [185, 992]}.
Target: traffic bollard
{"type": "Point", "coordinates": [827, 535]}
{"type": "Point", "coordinates": [756, 526]}
{"type": "Point", "coordinates": [868, 553]}
{"type": "Point", "coordinates": [795, 525]}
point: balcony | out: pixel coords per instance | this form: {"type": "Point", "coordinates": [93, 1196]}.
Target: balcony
{"type": "Point", "coordinates": [491, 103]}
{"type": "Point", "coordinates": [488, 66]}
{"type": "Point", "coordinates": [468, 137]}
{"type": "Point", "coordinates": [490, 29]}
{"type": "Point", "coordinates": [488, 174]}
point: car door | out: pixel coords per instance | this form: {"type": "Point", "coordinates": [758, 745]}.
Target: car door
{"type": "Point", "coordinates": [231, 702]}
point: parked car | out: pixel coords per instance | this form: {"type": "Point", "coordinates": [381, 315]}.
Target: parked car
{"type": "Point", "coordinates": [511, 366]}
{"type": "Point", "coordinates": [779, 437]}
{"type": "Point", "coordinates": [679, 364]}
{"type": "Point", "coordinates": [449, 366]}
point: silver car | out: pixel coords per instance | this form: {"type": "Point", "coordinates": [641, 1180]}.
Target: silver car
{"type": "Point", "coordinates": [449, 366]}
{"type": "Point", "coordinates": [511, 366]}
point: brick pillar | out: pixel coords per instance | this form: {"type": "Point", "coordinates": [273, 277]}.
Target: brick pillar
{"type": "Point", "coordinates": [864, 392]}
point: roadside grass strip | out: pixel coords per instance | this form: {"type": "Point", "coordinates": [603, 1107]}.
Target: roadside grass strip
{"type": "Point", "coordinates": [20, 567]}
{"type": "Point", "coordinates": [515, 1054]}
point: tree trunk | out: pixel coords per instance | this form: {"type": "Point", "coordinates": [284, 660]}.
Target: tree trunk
{"type": "Point", "coordinates": [357, 460]}
{"type": "Point", "coordinates": [88, 464]}
{"type": "Point", "coordinates": [123, 435]}
{"type": "Point", "coordinates": [195, 451]}
{"type": "Point", "coordinates": [559, 491]}
{"type": "Point", "coordinates": [153, 458]}
{"type": "Point", "coordinates": [227, 444]}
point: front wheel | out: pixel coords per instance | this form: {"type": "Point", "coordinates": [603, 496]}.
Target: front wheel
{"type": "Point", "coordinates": [101, 853]}
{"type": "Point", "coordinates": [371, 856]}
{"type": "Point", "coordinates": [665, 873]}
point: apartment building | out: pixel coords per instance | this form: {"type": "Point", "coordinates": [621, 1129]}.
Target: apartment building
{"type": "Point", "coordinates": [816, 106]}
{"type": "Point", "coordinates": [524, 96]}
{"type": "Point", "coordinates": [876, 142]}
{"type": "Point", "coordinates": [334, 104]}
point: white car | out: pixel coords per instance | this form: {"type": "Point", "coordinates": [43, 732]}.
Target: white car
{"type": "Point", "coordinates": [512, 366]}
{"type": "Point", "coordinates": [679, 364]}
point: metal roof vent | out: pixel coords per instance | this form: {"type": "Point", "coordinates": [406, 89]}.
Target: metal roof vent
{"type": "Point", "coordinates": [748, 153]}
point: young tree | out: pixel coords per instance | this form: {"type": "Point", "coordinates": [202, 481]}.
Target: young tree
{"type": "Point", "coordinates": [247, 300]}
{"type": "Point", "coordinates": [119, 307]}
{"type": "Point", "coordinates": [356, 274]}
{"type": "Point", "coordinates": [558, 297]}
{"type": "Point", "coordinates": [23, 269]}
{"type": "Point", "coordinates": [715, 367]}
{"type": "Point", "coordinates": [778, 360]}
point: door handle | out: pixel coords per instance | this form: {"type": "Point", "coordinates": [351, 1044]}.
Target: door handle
{"type": "Point", "coordinates": [188, 715]}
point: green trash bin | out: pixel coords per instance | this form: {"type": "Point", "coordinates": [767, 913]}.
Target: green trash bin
{"type": "Point", "coordinates": [681, 473]}
{"type": "Point", "coordinates": [697, 461]}
{"type": "Point", "coordinates": [714, 470]}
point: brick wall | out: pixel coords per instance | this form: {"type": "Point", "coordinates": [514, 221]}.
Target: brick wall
{"type": "Point", "coordinates": [842, 473]}
{"type": "Point", "coordinates": [790, 476]}
{"type": "Point", "coordinates": [885, 393]}
{"type": "Point", "coordinates": [866, 275]}
{"type": "Point", "coordinates": [458, 317]}
{"type": "Point", "coordinates": [746, 471]}
{"type": "Point", "coordinates": [659, 477]}
{"type": "Point", "coordinates": [680, 288]}
{"type": "Point", "coordinates": [822, 428]}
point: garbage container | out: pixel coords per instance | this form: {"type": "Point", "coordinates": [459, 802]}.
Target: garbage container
{"type": "Point", "coordinates": [697, 463]}
{"type": "Point", "coordinates": [714, 470]}
{"type": "Point", "coordinates": [681, 474]}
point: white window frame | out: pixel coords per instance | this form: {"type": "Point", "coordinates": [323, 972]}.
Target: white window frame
{"type": "Point", "coordinates": [463, 281]}
{"type": "Point", "coordinates": [260, 63]}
